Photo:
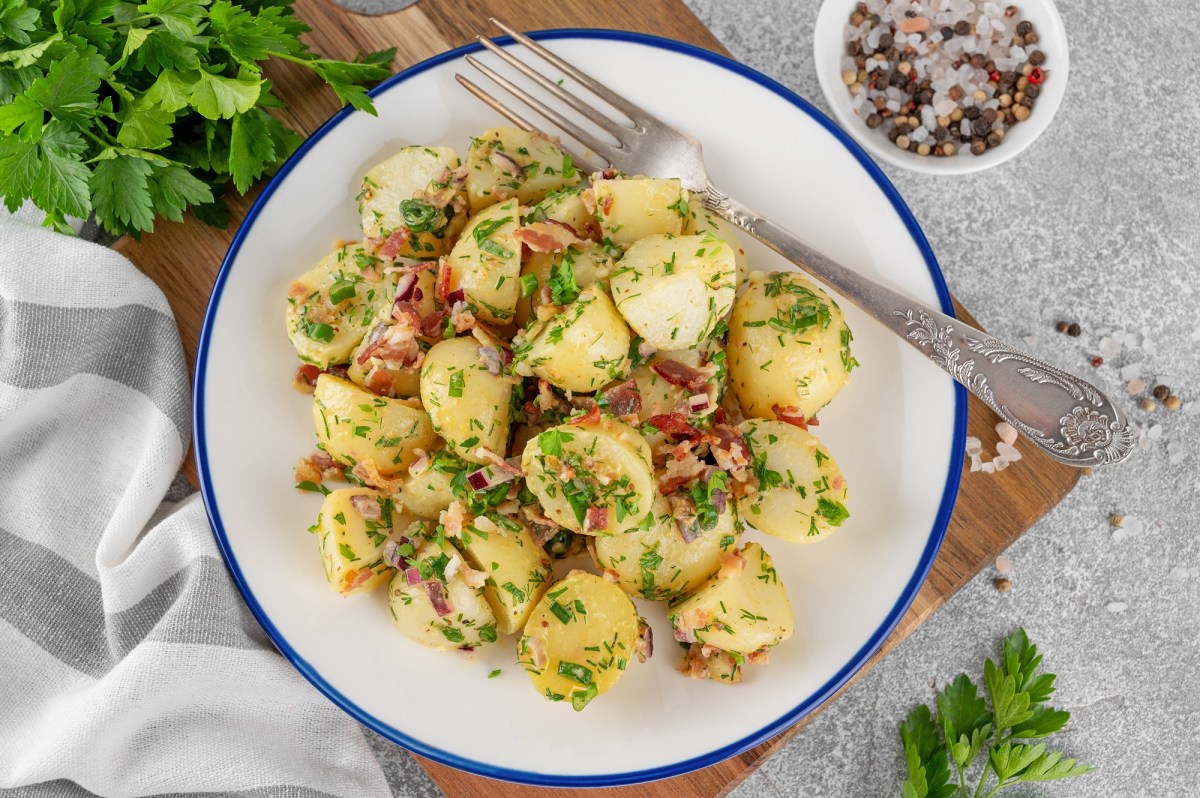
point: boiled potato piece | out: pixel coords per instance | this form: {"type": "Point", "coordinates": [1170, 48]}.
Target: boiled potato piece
{"type": "Point", "coordinates": [612, 488]}
{"type": "Point", "coordinates": [376, 375]}
{"type": "Point", "coordinates": [674, 290]}
{"type": "Point", "coordinates": [581, 349]}
{"type": "Point", "coordinates": [330, 308]}
{"type": "Point", "coordinates": [566, 272]}
{"type": "Point", "coordinates": [566, 206]}
{"type": "Point", "coordinates": [355, 426]}
{"type": "Point", "coordinates": [352, 528]}
{"type": "Point", "coordinates": [802, 493]}
{"type": "Point", "coordinates": [507, 162]}
{"type": "Point", "coordinates": [518, 569]}
{"type": "Point", "coordinates": [394, 198]}
{"type": "Point", "coordinates": [428, 493]}
{"type": "Point", "coordinates": [486, 263]}
{"type": "Point", "coordinates": [631, 209]}
{"type": "Point", "coordinates": [700, 220]}
{"type": "Point", "coordinates": [468, 405]}
{"type": "Point", "coordinates": [657, 564]}
{"type": "Point", "coordinates": [742, 608]}
{"type": "Point", "coordinates": [466, 620]}
{"type": "Point", "coordinates": [788, 345]}
{"type": "Point", "coordinates": [579, 639]}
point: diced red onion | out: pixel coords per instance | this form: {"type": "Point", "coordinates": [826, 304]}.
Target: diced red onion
{"type": "Point", "coordinates": [366, 506]}
{"type": "Point", "coordinates": [698, 403]}
{"type": "Point", "coordinates": [391, 554]}
{"type": "Point", "coordinates": [685, 635]}
{"type": "Point", "coordinates": [412, 576]}
{"type": "Point", "coordinates": [455, 296]}
{"type": "Point", "coordinates": [405, 285]}
{"type": "Point", "coordinates": [491, 360]}
{"type": "Point", "coordinates": [438, 598]}
{"type": "Point", "coordinates": [718, 500]}
{"type": "Point", "coordinates": [506, 163]}
{"type": "Point", "coordinates": [487, 477]}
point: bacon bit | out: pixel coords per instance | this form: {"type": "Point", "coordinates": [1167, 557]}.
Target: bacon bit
{"type": "Point", "coordinates": [684, 510]}
{"type": "Point", "coordinates": [732, 565]}
{"type": "Point", "coordinates": [730, 450]}
{"type": "Point", "coordinates": [759, 657]}
{"type": "Point", "coordinates": [357, 579]}
{"type": "Point", "coordinates": [688, 622]}
{"type": "Point", "coordinates": [317, 467]}
{"type": "Point", "coordinates": [442, 286]}
{"type": "Point", "coordinates": [680, 471]}
{"type": "Point", "coordinates": [693, 665]}
{"type": "Point", "coordinates": [391, 247]}
{"type": "Point", "coordinates": [438, 597]}
{"type": "Point", "coordinates": [431, 325]}
{"type": "Point", "coordinates": [591, 231]}
{"type": "Point", "coordinates": [380, 380]}
{"type": "Point", "coordinates": [596, 518]}
{"type": "Point", "coordinates": [537, 652]}
{"type": "Point", "coordinates": [454, 518]}
{"type": "Point", "coordinates": [546, 237]}
{"type": "Point", "coordinates": [588, 197]}
{"type": "Point", "coordinates": [674, 424]}
{"type": "Point", "coordinates": [406, 283]}
{"type": "Point", "coordinates": [643, 647]}
{"type": "Point", "coordinates": [368, 472]}
{"type": "Point", "coordinates": [506, 163]}
{"type": "Point", "coordinates": [473, 578]}
{"type": "Point", "coordinates": [610, 575]}
{"type": "Point", "coordinates": [395, 344]}
{"type": "Point", "coordinates": [412, 576]}
{"type": "Point", "coordinates": [366, 506]}
{"type": "Point", "coordinates": [590, 418]}
{"type": "Point", "coordinates": [838, 482]}
{"type": "Point", "coordinates": [606, 204]}
{"type": "Point", "coordinates": [461, 316]}
{"type": "Point", "coordinates": [498, 461]}
{"type": "Point", "coordinates": [790, 414]}
{"type": "Point", "coordinates": [547, 400]}
{"type": "Point", "coordinates": [624, 399]}
{"type": "Point", "coordinates": [680, 374]}
{"type": "Point", "coordinates": [306, 377]}
{"type": "Point", "coordinates": [298, 289]}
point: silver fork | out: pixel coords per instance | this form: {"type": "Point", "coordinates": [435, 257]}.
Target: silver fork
{"type": "Point", "coordinates": [1066, 417]}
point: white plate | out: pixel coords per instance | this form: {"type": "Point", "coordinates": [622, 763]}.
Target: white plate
{"type": "Point", "coordinates": [897, 431]}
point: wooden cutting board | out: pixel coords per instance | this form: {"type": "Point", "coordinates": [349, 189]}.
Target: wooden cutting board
{"type": "Point", "coordinates": [992, 511]}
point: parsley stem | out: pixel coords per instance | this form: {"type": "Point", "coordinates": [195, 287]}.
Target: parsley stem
{"type": "Point", "coordinates": [983, 777]}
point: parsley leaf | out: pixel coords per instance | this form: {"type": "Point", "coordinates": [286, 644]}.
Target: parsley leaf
{"type": "Point", "coordinates": [120, 194]}
{"type": "Point", "coordinates": [1017, 691]}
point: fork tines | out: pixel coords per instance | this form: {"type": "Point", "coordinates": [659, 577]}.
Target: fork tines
{"type": "Point", "coordinates": [604, 150]}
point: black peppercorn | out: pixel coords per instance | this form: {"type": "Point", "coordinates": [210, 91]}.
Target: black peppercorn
{"type": "Point", "coordinates": [978, 60]}
{"type": "Point", "coordinates": [962, 28]}
{"type": "Point", "coordinates": [1074, 330]}
{"type": "Point", "coordinates": [1062, 327]}
{"type": "Point", "coordinates": [994, 139]}
{"type": "Point", "coordinates": [885, 41]}
{"type": "Point", "coordinates": [874, 121]}
{"type": "Point", "coordinates": [989, 115]}
{"type": "Point", "coordinates": [1161, 392]}
{"type": "Point", "coordinates": [1032, 38]}
{"type": "Point", "coordinates": [971, 113]}
{"type": "Point", "coordinates": [980, 127]}
{"type": "Point", "coordinates": [940, 133]}
{"type": "Point", "coordinates": [1032, 91]}
{"type": "Point", "coordinates": [1024, 27]}
{"type": "Point", "coordinates": [925, 96]}
{"type": "Point", "coordinates": [978, 147]}
{"type": "Point", "coordinates": [1037, 58]}
{"type": "Point", "coordinates": [893, 134]}
{"type": "Point", "coordinates": [947, 33]}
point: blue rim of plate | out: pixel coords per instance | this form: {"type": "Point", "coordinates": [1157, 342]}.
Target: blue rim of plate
{"type": "Point", "coordinates": [632, 777]}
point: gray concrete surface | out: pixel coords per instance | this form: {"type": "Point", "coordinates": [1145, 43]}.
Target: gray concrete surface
{"type": "Point", "coordinates": [1099, 222]}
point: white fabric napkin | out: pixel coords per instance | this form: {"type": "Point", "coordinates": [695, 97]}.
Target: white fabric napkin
{"type": "Point", "coordinates": [129, 665]}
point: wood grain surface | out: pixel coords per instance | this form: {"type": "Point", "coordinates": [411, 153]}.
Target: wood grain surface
{"type": "Point", "coordinates": [992, 510]}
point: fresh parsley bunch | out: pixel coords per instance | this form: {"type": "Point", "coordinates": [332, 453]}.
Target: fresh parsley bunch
{"type": "Point", "coordinates": [965, 727]}
{"type": "Point", "coordinates": [140, 111]}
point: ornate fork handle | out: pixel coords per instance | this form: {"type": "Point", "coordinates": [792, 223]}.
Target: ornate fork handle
{"type": "Point", "coordinates": [1067, 418]}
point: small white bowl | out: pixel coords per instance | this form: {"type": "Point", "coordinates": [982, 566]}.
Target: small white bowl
{"type": "Point", "coordinates": [829, 46]}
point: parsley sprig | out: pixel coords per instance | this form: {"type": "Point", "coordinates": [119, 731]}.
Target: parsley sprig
{"type": "Point", "coordinates": [965, 728]}
{"type": "Point", "coordinates": [137, 112]}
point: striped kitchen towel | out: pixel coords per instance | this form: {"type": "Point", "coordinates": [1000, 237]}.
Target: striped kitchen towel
{"type": "Point", "coordinates": [129, 665]}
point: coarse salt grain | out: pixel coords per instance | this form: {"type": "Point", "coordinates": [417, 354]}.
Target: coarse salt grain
{"type": "Point", "coordinates": [1004, 565]}
{"type": "Point", "coordinates": [999, 463]}
{"type": "Point", "coordinates": [974, 446]}
{"type": "Point", "coordinates": [1133, 525]}
{"type": "Point", "coordinates": [1007, 432]}
{"type": "Point", "coordinates": [1117, 606]}
{"type": "Point", "coordinates": [1128, 372]}
{"type": "Point", "coordinates": [1008, 452]}
{"type": "Point", "coordinates": [1119, 534]}
{"type": "Point", "coordinates": [1135, 386]}
{"type": "Point", "coordinates": [1109, 347]}
{"type": "Point", "coordinates": [1154, 432]}
{"type": "Point", "coordinates": [989, 468]}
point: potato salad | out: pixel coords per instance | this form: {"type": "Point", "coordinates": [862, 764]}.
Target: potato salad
{"type": "Point", "coordinates": [514, 365]}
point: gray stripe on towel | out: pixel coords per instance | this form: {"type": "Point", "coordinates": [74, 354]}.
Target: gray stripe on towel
{"type": "Point", "coordinates": [63, 788]}
{"type": "Point", "coordinates": [133, 344]}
